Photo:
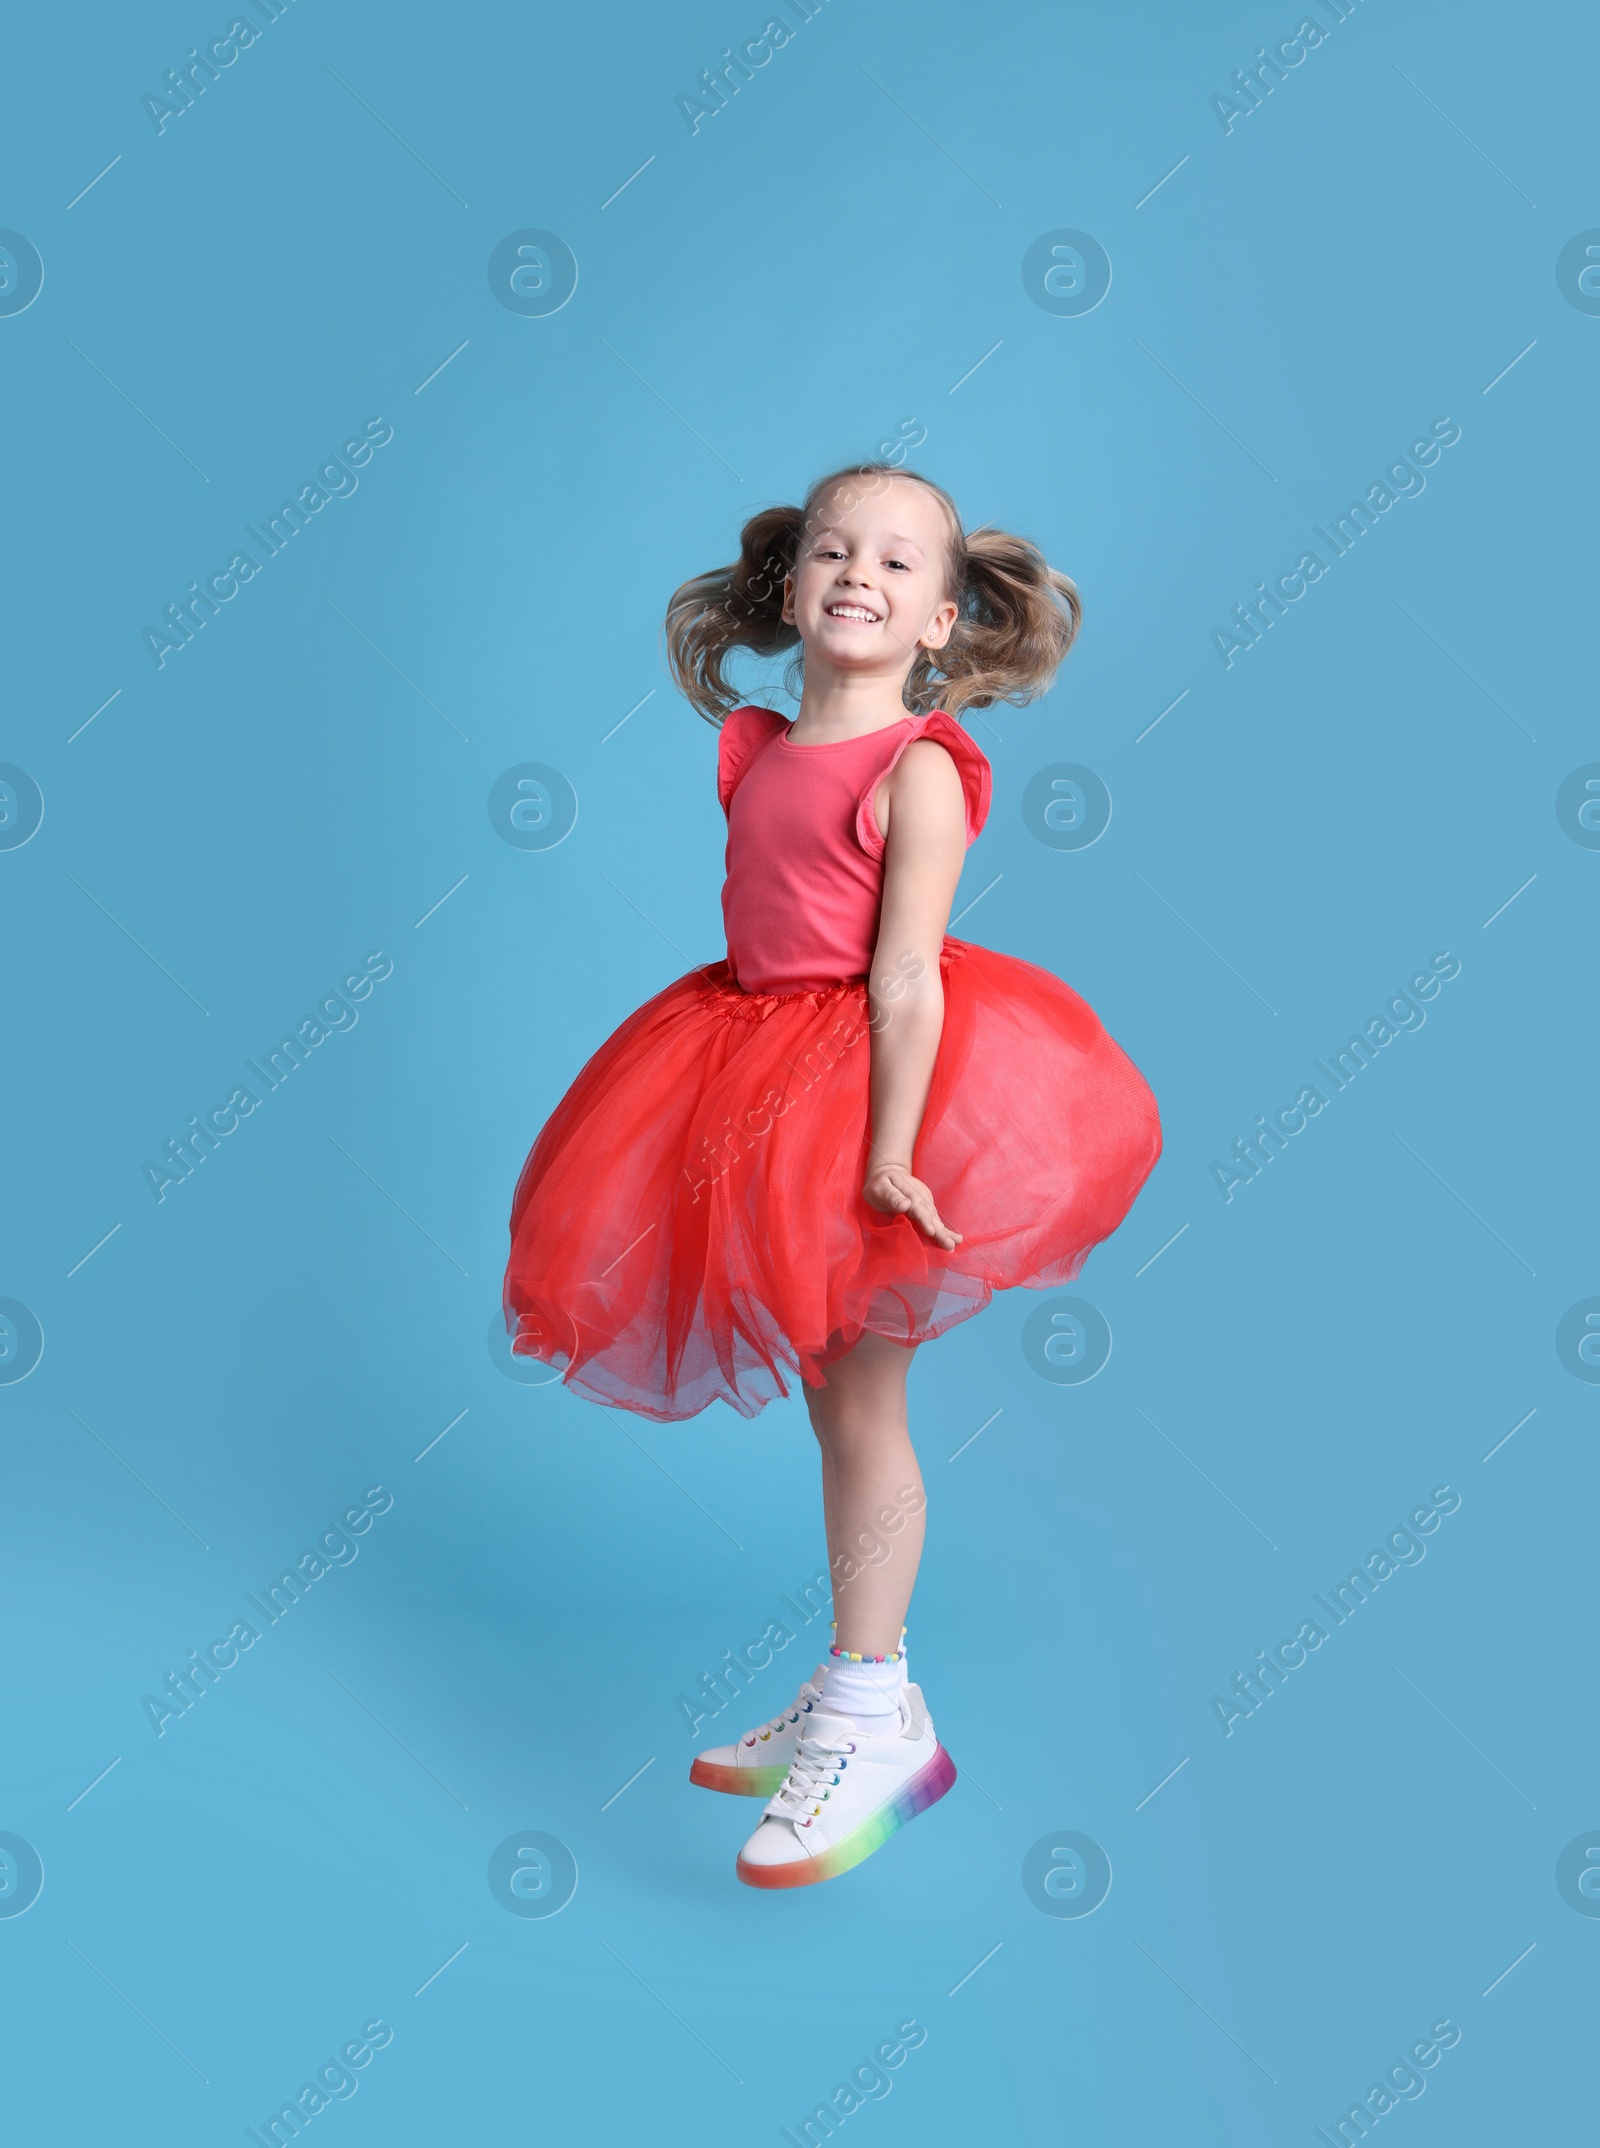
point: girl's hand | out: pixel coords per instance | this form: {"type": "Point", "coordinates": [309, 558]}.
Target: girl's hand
{"type": "Point", "coordinates": [893, 1191]}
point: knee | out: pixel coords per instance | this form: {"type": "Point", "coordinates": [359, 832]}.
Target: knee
{"type": "Point", "coordinates": [832, 1421]}
{"type": "Point", "coordinates": [849, 1425]}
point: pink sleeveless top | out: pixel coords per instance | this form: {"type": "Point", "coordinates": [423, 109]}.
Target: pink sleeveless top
{"type": "Point", "coordinates": [805, 852]}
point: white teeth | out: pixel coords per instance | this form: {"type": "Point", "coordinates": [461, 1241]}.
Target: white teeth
{"type": "Point", "coordinates": [852, 611]}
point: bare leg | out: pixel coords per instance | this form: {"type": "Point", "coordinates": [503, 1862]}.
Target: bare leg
{"type": "Point", "coordinates": [872, 1493]}
{"type": "Point", "coordinates": [830, 1520]}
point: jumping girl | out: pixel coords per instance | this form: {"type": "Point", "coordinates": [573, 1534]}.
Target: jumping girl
{"type": "Point", "coordinates": [803, 1162]}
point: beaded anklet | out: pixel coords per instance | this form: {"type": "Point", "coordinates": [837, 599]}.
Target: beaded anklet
{"type": "Point", "coordinates": [849, 1655]}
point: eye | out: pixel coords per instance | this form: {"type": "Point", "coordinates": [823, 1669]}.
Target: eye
{"type": "Point", "coordinates": [900, 563]}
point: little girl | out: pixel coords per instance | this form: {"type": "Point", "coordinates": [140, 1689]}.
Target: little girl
{"type": "Point", "coordinates": [806, 1160]}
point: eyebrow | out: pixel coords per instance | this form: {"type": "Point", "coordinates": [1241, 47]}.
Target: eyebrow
{"type": "Point", "coordinates": [834, 529]}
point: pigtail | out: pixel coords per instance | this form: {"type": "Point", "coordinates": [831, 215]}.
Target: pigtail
{"type": "Point", "coordinates": [1018, 619]}
{"type": "Point", "coordinates": [737, 607]}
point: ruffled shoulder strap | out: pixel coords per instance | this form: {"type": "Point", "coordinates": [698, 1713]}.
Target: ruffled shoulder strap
{"type": "Point", "coordinates": [971, 767]}
{"type": "Point", "coordinates": [745, 733]}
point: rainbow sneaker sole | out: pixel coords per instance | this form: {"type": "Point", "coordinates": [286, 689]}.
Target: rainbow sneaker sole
{"type": "Point", "coordinates": [741, 1782]}
{"type": "Point", "coordinates": [925, 1788]}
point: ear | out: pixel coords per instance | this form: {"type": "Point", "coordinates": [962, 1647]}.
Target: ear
{"type": "Point", "coordinates": [788, 600]}
{"type": "Point", "coordinates": [940, 625]}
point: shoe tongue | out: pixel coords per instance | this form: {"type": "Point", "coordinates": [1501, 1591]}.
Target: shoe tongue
{"type": "Point", "coordinates": [833, 1729]}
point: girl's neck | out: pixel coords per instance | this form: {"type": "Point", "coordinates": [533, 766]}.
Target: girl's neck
{"type": "Point", "coordinates": [841, 708]}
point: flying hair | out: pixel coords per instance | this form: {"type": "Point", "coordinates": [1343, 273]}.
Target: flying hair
{"type": "Point", "coordinates": [1017, 615]}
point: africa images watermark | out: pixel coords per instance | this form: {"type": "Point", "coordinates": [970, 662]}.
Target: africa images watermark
{"type": "Point", "coordinates": [871, 1548]}
{"type": "Point", "coordinates": [1402, 480]}
{"type": "Point", "coordinates": [1251, 85]}
{"type": "Point", "coordinates": [336, 1546]}
{"type": "Point", "coordinates": [1252, 1689]}
{"type": "Point", "coordinates": [183, 1152]}
{"type": "Point", "coordinates": [335, 480]}
{"type": "Point", "coordinates": [868, 2083]}
{"type": "Point", "coordinates": [183, 84]}
{"type": "Point", "coordinates": [334, 2082]}
{"type": "Point", "coordinates": [709, 1698]}
{"type": "Point", "coordinates": [717, 85]}
{"type": "Point", "coordinates": [1401, 1012]}
{"type": "Point", "coordinates": [1402, 2082]}
{"type": "Point", "coordinates": [716, 1155]}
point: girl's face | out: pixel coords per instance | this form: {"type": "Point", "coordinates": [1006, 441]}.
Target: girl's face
{"type": "Point", "coordinates": [871, 578]}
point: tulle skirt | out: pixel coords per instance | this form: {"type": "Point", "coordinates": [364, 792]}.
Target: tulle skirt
{"type": "Point", "coordinates": [690, 1228]}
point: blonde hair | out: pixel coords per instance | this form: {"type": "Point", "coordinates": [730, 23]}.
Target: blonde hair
{"type": "Point", "coordinates": [1017, 615]}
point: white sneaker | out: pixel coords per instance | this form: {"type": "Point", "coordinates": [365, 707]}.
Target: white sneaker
{"type": "Point", "coordinates": [760, 1762]}
{"type": "Point", "coordinates": [846, 1794]}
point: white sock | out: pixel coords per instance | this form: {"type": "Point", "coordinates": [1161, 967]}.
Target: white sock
{"type": "Point", "coordinates": [868, 1693]}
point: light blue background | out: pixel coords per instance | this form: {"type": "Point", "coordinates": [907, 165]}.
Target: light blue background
{"type": "Point", "coordinates": [768, 298]}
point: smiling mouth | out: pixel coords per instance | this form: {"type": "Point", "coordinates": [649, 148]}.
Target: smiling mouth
{"type": "Point", "coordinates": [858, 614]}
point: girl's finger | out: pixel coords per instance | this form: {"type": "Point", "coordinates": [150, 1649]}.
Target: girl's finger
{"type": "Point", "coordinates": [941, 1230]}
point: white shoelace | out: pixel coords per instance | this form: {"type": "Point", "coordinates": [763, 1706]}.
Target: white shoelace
{"type": "Point", "coordinates": [815, 1769]}
{"type": "Point", "coordinates": [808, 1699]}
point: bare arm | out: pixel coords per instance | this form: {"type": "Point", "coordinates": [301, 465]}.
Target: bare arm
{"type": "Point", "coordinates": [921, 811]}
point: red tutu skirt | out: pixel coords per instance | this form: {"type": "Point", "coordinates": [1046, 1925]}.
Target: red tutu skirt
{"type": "Point", "coordinates": [689, 1226]}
